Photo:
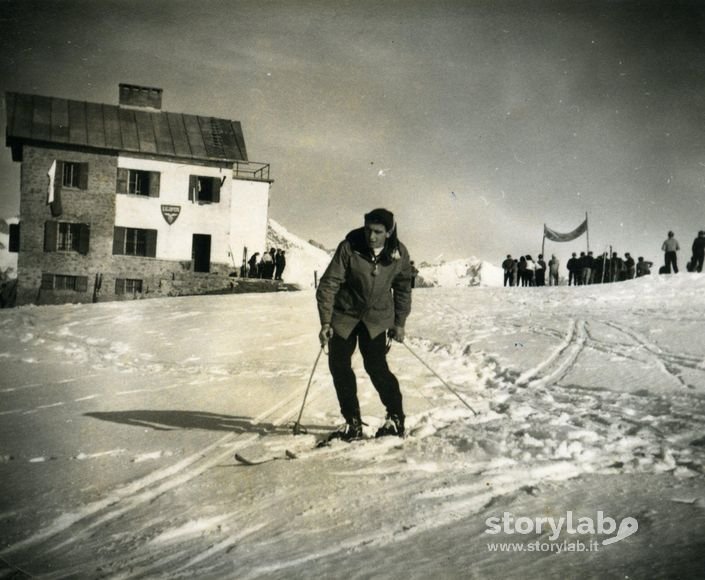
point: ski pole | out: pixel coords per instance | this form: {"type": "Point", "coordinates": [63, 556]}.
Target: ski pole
{"type": "Point", "coordinates": [446, 385]}
{"type": "Point", "coordinates": [297, 429]}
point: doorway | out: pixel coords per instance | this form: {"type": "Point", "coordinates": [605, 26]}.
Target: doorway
{"type": "Point", "coordinates": [201, 253]}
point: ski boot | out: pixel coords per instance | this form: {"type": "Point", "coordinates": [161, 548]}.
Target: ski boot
{"type": "Point", "coordinates": [351, 431]}
{"type": "Point", "coordinates": [394, 425]}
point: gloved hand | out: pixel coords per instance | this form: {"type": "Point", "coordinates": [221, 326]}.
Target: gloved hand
{"type": "Point", "coordinates": [397, 333]}
{"type": "Point", "coordinates": [325, 335]}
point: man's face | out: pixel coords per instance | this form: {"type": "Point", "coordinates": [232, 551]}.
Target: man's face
{"type": "Point", "coordinates": [376, 235]}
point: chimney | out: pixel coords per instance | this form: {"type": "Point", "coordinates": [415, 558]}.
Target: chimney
{"type": "Point", "coordinates": [140, 97]}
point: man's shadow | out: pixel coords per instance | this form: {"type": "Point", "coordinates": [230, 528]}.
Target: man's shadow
{"type": "Point", "coordinates": [176, 420]}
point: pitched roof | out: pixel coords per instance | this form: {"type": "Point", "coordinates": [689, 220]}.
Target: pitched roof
{"type": "Point", "coordinates": [49, 120]}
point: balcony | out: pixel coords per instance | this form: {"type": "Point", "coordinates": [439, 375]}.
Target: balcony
{"type": "Point", "coordinates": [251, 171]}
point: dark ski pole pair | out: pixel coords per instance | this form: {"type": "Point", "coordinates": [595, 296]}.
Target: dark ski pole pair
{"type": "Point", "coordinates": [298, 429]}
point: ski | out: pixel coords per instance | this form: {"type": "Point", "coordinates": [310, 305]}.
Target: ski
{"type": "Point", "coordinates": [244, 460]}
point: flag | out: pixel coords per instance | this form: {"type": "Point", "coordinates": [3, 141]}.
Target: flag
{"type": "Point", "coordinates": [557, 237]}
{"type": "Point", "coordinates": [52, 178]}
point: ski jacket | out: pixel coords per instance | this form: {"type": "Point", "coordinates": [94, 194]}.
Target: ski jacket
{"type": "Point", "coordinates": [359, 286]}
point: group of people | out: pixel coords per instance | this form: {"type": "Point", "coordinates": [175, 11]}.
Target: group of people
{"type": "Point", "coordinates": [527, 272]}
{"type": "Point", "coordinates": [605, 268]}
{"type": "Point", "coordinates": [587, 268]}
{"type": "Point", "coordinates": [270, 266]}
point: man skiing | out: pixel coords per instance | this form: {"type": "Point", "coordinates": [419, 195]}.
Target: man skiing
{"type": "Point", "coordinates": [365, 294]}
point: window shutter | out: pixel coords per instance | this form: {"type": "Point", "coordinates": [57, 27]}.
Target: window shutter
{"type": "Point", "coordinates": [59, 175]}
{"type": "Point", "coordinates": [47, 281]}
{"type": "Point", "coordinates": [192, 188]}
{"type": "Point", "coordinates": [84, 238]}
{"type": "Point", "coordinates": [216, 190]}
{"type": "Point", "coordinates": [154, 183]}
{"type": "Point", "coordinates": [83, 176]}
{"type": "Point", "coordinates": [151, 243]}
{"type": "Point", "coordinates": [51, 231]}
{"type": "Point", "coordinates": [122, 177]}
{"type": "Point", "coordinates": [81, 283]}
{"type": "Point", "coordinates": [118, 241]}
{"type": "Point", "coordinates": [119, 285]}
{"type": "Point", "coordinates": [14, 237]}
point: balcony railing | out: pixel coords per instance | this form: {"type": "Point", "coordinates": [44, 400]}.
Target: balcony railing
{"type": "Point", "coordinates": [251, 170]}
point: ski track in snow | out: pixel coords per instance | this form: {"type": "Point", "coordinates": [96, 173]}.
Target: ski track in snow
{"type": "Point", "coordinates": [559, 396]}
{"type": "Point", "coordinates": [71, 527]}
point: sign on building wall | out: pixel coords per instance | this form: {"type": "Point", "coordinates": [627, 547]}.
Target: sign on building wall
{"type": "Point", "coordinates": [170, 213]}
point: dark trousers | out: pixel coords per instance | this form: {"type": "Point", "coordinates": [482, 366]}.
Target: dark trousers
{"type": "Point", "coordinates": [671, 261]}
{"type": "Point", "coordinates": [374, 357]}
{"type": "Point", "coordinates": [698, 259]}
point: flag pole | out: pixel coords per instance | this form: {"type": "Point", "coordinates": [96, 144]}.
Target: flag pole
{"type": "Point", "coordinates": [587, 231]}
{"type": "Point", "coordinates": [543, 243]}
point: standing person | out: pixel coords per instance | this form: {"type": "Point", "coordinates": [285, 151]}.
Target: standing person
{"type": "Point", "coordinates": [507, 267]}
{"type": "Point", "coordinates": [670, 246]}
{"type": "Point", "coordinates": [541, 271]}
{"type": "Point", "coordinates": [554, 265]}
{"type": "Point", "coordinates": [616, 266]}
{"type": "Point", "coordinates": [530, 271]}
{"type": "Point", "coordinates": [254, 267]}
{"type": "Point", "coordinates": [279, 264]}
{"type": "Point", "coordinates": [629, 265]}
{"type": "Point", "coordinates": [586, 263]}
{"type": "Point", "coordinates": [365, 294]}
{"type": "Point", "coordinates": [699, 251]}
{"type": "Point", "coordinates": [591, 264]}
{"type": "Point", "coordinates": [272, 267]}
{"type": "Point", "coordinates": [266, 266]}
{"type": "Point", "coordinates": [572, 266]}
{"type": "Point", "coordinates": [515, 273]}
{"type": "Point", "coordinates": [521, 271]}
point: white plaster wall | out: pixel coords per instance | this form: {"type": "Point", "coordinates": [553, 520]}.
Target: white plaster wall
{"type": "Point", "coordinates": [239, 220]}
{"type": "Point", "coordinates": [249, 213]}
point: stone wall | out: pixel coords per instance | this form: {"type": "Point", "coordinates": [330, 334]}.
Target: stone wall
{"type": "Point", "coordinates": [94, 206]}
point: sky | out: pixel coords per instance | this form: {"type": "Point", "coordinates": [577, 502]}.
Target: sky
{"type": "Point", "coordinates": [476, 122]}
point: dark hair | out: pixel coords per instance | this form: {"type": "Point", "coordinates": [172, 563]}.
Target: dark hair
{"type": "Point", "coordinates": [385, 218]}
{"type": "Point", "coordinates": [381, 216]}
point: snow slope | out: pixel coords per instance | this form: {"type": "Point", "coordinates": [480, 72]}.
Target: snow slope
{"type": "Point", "coordinates": [461, 273]}
{"type": "Point", "coordinates": [120, 422]}
{"type": "Point", "coordinates": [305, 258]}
{"type": "Point", "coordinates": [302, 258]}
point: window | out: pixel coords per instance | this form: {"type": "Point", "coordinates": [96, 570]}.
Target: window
{"type": "Point", "coordinates": [69, 236]}
{"type": "Point", "coordinates": [64, 282]}
{"type": "Point", "coordinates": [73, 174]}
{"type": "Point", "coordinates": [66, 237]}
{"type": "Point", "coordinates": [134, 242]}
{"type": "Point", "coordinates": [128, 286]}
{"type": "Point", "coordinates": [204, 189]}
{"type": "Point", "coordinates": [138, 182]}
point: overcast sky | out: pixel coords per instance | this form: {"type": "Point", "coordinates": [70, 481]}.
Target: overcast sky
{"type": "Point", "coordinates": [476, 122]}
